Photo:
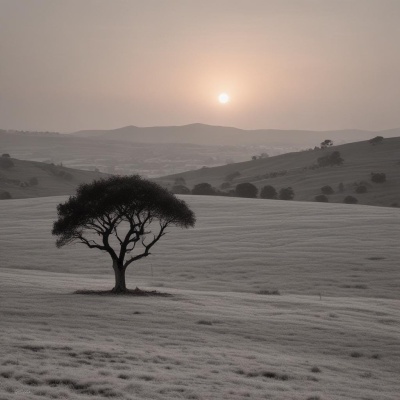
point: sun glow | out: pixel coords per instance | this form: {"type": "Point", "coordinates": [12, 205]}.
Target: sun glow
{"type": "Point", "coordinates": [224, 98]}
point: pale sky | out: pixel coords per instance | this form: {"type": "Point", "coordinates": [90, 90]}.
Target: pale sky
{"type": "Point", "coordinates": [67, 65]}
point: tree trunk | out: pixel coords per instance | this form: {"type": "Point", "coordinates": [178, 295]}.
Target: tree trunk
{"type": "Point", "coordinates": [119, 271]}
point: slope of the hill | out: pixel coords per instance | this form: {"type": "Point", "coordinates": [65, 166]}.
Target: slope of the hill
{"type": "Point", "coordinates": [294, 170]}
{"type": "Point", "coordinates": [34, 179]}
{"type": "Point", "coordinates": [246, 245]}
{"type": "Point", "coordinates": [221, 135]}
{"type": "Point", "coordinates": [332, 334]}
{"type": "Point", "coordinates": [193, 345]}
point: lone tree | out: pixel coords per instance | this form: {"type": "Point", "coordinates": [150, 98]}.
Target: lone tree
{"type": "Point", "coordinates": [246, 189]}
{"type": "Point", "coordinates": [268, 192]}
{"type": "Point", "coordinates": [123, 216]}
{"type": "Point", "coordinates": [326, 143]}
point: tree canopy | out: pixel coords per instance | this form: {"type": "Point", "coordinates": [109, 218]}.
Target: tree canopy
{"type": "Point", "coordinates": [123, 216]}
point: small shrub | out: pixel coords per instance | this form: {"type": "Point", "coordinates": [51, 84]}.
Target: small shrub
{"type": "Point", "coordinates": [327, 190]}
{"type": "Point", "coordinates": [361, 189]}
{"type": "Point", "coordinates": [204, 322]}
{"type": "Point", "coordinates": [350, 200]}
{"type": "Point", "coordinates": [6, 155]}
{"type": "Point", "coordinates": [378, 177]}
{"type": "Point", "coordinates": [6, 163]}
{"type": "Point", "coordinates": [5, 195]}
{"type": "Point", "coordinates": [203, 189]}
{"type": "Point", "coordinates": [376, 140]}
{"type": "Point", "coordinates": [330, 160]}
{"type": "Point", "coordinates": [321, 198]}
{"type": "Point", "coordinates": [326, 143]}
{"type": "Point", "coordinates": [315, 370]}
{"type": "Point", "coordinates": [269, 292]}
{"type": "Point", "coordinates": [356, 354]}
{"type": "Point", "coordinates": [268, 192]}
{"type": "Point", "coordinates": [286, 194]}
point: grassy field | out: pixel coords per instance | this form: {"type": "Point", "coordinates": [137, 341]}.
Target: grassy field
{"type": "Point", "coordinates": [216, 336]}
{"type": "Point", "coordinates": [360, 159]}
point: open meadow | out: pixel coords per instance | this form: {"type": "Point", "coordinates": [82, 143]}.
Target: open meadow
{"type": "Point", "coordinates": [332, 333]}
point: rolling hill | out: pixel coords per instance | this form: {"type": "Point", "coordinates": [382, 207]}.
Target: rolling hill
{"type": "Point", "coordinates": [331, 334]}
{"type": "Point", "coordinates": [35, 179]}
{"type": "Point", "coordinates": [220, 135]}
{"type": "Point", "coordinates": [296, 170]}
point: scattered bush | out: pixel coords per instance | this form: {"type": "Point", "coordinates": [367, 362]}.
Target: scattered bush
{"type": "Point", "coordinates": [350, 200]}
{"type": "Point", "coordinates": [6, 155]}
{"type": "Point", "coordinates": [204, 189]}
{"type": "Point", "coordinates": [180, 189]}
{"type": "Point", "coordinates": [376, 140]}
{"type": "Point", "coordinates": [286, 194]}
{"type": "Point", "coordinates": [326, 143]}
{"type": "Point", "coordinates": [327, 190]}
{"type": "Point", "coordinates": [378, 177]}
{"type": "Point", "coordinates": [321, 198]}
{"type": "Point", "coordinates": [315, 370]}
{"type": "Point", "coordinates": [361, 189]}
{"type": "Point", "coordinates": [269, 292]}
{"type": "Point", "coordinates": [330, 160]}
{"type": "Point", "coordinates": [268, 192]}
{"type": "Point", "coordinates": [247, 190]}
{"type": "Point", "coordinates": [5, 195]}
{"type": "Point", "coordinates": [6, 163]}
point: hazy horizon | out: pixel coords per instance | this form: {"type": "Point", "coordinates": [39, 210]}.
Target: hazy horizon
{"type": "Point", "coordinates": [304, 64]}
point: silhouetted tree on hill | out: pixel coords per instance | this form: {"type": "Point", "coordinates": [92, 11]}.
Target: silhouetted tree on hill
{"type": "Point", "coordinates": [321, 198]}
{"type": "Point", "coordinates": [268, 192]}
{"type": "Point", "coordinates": [246, 189]}
{"type": "Point", "coordinates": [378, 177]}
{"type": "Point", "coordinates": [286, 194]}
{"type": "Point", "coordinates": [327, 190]}
{"type": "Point", "coordinates": [326, 143]}
{"type": "Point", "coordinates": [330, 160]}
{"type": "Point", "coordinates": [6, 163]}
{"type": "Point", "coordinates": [129, 211]}
{"type": "Point", "coordinates": [204, 189]}
{"type": "Point", "coordinates": [376, 140]}
{"type": "Point", "coordinates": [350, 200]}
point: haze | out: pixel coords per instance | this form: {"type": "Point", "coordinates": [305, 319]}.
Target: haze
{"type": "Point", "coordinates": [301, 64]}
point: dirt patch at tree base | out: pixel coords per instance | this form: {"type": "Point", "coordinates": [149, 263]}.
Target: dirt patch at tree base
{"type": "Point", "coordinates": [128, 292]}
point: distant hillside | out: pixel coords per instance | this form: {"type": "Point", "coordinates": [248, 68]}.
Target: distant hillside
{"type": "Point", "coordinates": [220, 135]}
{"type": "Point", "coordinates": [122, 157]}
{"type": "Point", "coordinates": [295, 170]}
{"type": "Point", "coordinates": [34, 179]}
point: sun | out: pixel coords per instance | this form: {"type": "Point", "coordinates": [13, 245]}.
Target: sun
{"type": "Point", "coordinates": [224, 98]}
